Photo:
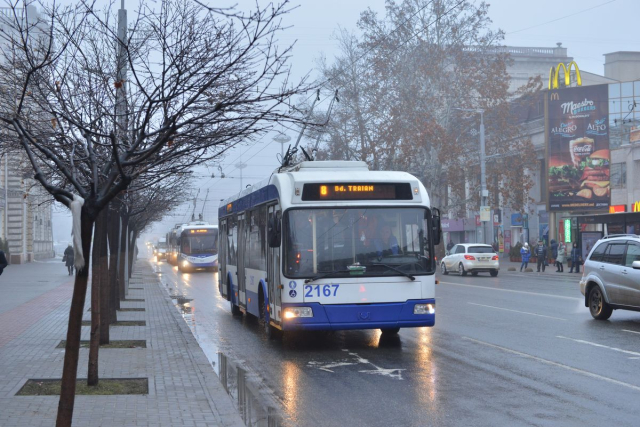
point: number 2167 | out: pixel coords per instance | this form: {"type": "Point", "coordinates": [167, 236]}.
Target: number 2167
{"type": "Point", "coordinates": [321, 290]}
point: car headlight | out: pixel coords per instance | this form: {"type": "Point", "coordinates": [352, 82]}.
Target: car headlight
{"type": "Point", "coordinates": [424, 309]}
{"type": "Point", "coordinates": [293, 312]}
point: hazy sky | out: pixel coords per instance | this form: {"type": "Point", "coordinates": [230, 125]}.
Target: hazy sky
{"type": "Point", "coordinates": [588, 28]}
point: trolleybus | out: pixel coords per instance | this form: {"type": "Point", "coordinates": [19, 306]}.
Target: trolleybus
{"type": "Point", "coordinates": [330, 246]}
{"type": "Point", "coordinates": [198, 247]}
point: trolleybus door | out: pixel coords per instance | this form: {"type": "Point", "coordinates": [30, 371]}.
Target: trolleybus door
{"type": "Point", "coordinates": [242, 244]}
{"type": "Point", "coordinates": [222, 258]}
{"type": "Point", "coordinates": [273, 268]}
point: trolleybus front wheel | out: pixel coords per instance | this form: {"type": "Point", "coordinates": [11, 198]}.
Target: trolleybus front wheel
{"type": "Point", "coordinates": [390, 331]}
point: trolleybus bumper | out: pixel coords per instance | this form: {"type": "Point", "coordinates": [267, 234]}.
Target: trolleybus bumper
{"type": "Point", "coordinates": [360, 316]}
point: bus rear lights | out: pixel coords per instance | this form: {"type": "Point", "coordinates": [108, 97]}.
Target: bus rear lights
{"type": "Point", "coordinates": [469, 257]}
{"type": "Point", "coordinates": [424, 309]}
{"type": "Point", "coordinates": [293, 312]}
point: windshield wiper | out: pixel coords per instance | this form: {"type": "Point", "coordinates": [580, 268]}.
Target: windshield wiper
{"type": "Point", "coordinates": [320, 276]}
{"type": "Point", "coordinates": [396, 269]}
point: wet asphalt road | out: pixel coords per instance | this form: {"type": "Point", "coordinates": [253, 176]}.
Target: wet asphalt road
{"type": "Point", "coordinates": [519, 349]}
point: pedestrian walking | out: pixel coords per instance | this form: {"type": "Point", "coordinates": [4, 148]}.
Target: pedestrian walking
{"type": "Point", "coordinates": [68, 259]}
{"type": "Point", "coordinates": [576, 258]}
{"type": "Point", "coordinates": [541, 253]}
{"type": "Point", "coordinates": [554, 250]}
{"type": "Point", "coordinates": [562, 255]}
{"type": "Point", "coordinates": [525, 253]}
{"type": "Point", "coordinates": [3, 262]}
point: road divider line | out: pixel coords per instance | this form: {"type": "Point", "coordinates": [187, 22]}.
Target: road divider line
{"type": "Point", "coordinates": [633, 353]}
{"type": "Point", "coordinates": [516, 311]}
{"type": "Point", "coordinates": [513, 291]}
{"type": "Point", "coordinates": [556, 364]}
{"type": "Point", "coordinates": [633, 332]}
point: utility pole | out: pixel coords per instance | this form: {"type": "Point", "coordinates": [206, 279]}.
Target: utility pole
{"type": "Point", "coordinates": [282, 139]}
{"type": "Point", "coordinates": [121, 73]}
{"type": "Point", "coordinates": [483, 179]}
{"type": "Point", "coordinates": [240, 166]}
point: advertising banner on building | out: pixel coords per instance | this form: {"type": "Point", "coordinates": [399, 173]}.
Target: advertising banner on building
{"type": "Point", "coordinates": [578, 148]}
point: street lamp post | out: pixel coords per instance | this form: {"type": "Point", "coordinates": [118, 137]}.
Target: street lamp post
{"type": "Point", "coordinates": [483, 178]}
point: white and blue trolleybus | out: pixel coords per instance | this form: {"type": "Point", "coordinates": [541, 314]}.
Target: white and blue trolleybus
{"type": "Point", "coordinates": [330, 246]}
{"type": "Point", "coordinates": [198, 247]}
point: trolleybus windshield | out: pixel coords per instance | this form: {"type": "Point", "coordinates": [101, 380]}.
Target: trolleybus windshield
{"type": "Point", "coordinates": [357, 241]}
{"type": "Point", "coordinates": [200, 243]}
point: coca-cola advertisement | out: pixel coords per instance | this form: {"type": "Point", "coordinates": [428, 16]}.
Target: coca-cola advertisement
{"type": "Point", "coordinates": [578, 148]}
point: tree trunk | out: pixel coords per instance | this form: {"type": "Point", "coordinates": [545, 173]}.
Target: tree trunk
{"type": "Point", "coordinates": [121, 272]}
{"type": "Point", "coordinates": [114, 255]}
{"type": "Point", "coordinates": [105, 285]}
{"type": "Point", "coordinates": [133, 237]}
{"type": "Point", "coordinates": [72, 348]}
{"type": "Point", "coordinates": [96, 282]}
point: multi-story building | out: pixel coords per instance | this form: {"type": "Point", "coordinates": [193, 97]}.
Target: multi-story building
{"type": "Point", "coordinates": [622, 72]}
{"type": "Point", "coordinates": [25, 207]}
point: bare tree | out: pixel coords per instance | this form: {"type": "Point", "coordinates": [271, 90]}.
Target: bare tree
{"type": "Point", "coordinates": [94, 112]}
{"type": "Point", "coordinates": [400, 85]}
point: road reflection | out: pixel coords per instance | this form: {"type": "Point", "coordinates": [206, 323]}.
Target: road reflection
{"type": "Point", "coordinates": [427, 376]}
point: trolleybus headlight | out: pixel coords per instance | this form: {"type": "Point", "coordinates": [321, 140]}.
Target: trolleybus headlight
{"type": "Point", "coordinates": [185, 263]}
{"type": "Point", "coordinates": [424, 309]}
{"type": "Point", "coordinates": [293, 312]}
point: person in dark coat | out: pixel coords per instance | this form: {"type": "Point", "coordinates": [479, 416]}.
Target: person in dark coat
{"type": "Point", "coordinates": [68, 256]}
{"type": "Point", "coordinates": [541, 253]}
{"type": "Point", "coordinates": [3, 262]}
{"type": "Point", "coordinates": [576, 257]}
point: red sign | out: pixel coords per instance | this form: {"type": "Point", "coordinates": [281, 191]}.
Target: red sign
{"type": "Point", "coordinates": [617, 208]}
{"type": "Point", "coordinates": [478, 223]}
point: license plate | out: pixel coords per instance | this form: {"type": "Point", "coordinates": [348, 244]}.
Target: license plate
{"type": "Point", "coordinates": [484, 258]}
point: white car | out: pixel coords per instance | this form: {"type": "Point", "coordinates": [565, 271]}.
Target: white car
{"type": "Point", "coordinates": [471, 258]}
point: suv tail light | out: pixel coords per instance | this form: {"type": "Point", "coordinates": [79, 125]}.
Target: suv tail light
{"type": "Point", "coordinates": [494, 258]}
{"type": "Point", "coordinates": [469, 258]}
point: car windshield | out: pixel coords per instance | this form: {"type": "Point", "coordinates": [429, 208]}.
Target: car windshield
{"type": "Point", "coordinates": [357, 241]}
{"type": "Point", "coordinates": [201, 244]}
{"type": "Point", "coordinates": [481, 250]}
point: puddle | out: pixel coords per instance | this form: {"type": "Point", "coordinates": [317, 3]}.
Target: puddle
{"type": "Point", "coordinates": [249, 396]}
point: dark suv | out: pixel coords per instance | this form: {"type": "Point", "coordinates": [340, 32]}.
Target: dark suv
{"type": "Point", "coordinates": [611, 276]}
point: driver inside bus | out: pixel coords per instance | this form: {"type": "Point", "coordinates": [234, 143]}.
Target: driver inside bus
{"type": "Point", "coordinates": [386, 243]}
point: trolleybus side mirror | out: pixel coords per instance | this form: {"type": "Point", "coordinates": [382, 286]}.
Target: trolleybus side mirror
{"type": "Point", "coordinates": [274, 232]}
{"type": "Point", "coordinates": [437, 226]}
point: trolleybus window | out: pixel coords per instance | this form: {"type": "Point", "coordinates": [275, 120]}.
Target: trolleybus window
{"type": "Point", "coordinates": [367, 241]}
{"type": "Point", "coordinates": [193, 244]}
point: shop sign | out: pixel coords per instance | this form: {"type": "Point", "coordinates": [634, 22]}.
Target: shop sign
{"type": "Point", "coordinates": [516, 220]}
{"type": "Point", "coordinates": [617, 208]}
{"type": "Point", "coordinates": [636, 206]}
{"type": "Point", "coordinates": [567, 230]}
{"type": "Point", "coordinates": [452, 225]}
{"type": "Point", "coordinates": [554, 73]}
{"type": "Point", "coordinates": [578, 149]}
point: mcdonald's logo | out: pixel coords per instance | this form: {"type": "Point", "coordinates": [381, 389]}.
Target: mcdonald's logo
{"type": "Point", "coordinates": [636, 206]}
{"type": "Point", "coordinates": [555, 96]}
{"type": "Point", "coordinates": [555, 71]}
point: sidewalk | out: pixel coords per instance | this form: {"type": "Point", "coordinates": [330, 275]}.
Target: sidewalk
{"type": "Point", "coordinates": [549, 269]}
{"type": "Point", "coordinates": [183, 388]}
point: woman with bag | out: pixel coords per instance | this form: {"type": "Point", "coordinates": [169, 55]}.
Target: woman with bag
{"type": "Point", "coordinates": [562, 254]}
{"type": "Point", "coordinates": [68, 259]}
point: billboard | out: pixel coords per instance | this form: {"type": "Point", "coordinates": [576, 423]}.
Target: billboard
{"type": "Point", "coordinates": [578, 148]}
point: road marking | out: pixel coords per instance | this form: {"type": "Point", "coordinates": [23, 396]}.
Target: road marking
{"type": "Point", "coordinates": [633, 332]}
{"type": "Point", "coordinates": [514, 291]}
{"type": "Point", "coordinates": [394, 373]}
{"type": "Point", "coordinates": [516, 311]}
{"type": "Point", "coordinates": [556, 364]}
{"type": "Point", "coordinates": [633, 353]}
